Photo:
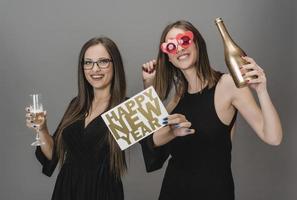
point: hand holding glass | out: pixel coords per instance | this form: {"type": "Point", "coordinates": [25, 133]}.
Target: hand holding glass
{"type": "Point", "coordinates": [38, 116]}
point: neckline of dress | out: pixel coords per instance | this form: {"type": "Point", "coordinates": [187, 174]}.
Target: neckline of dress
{"type": "Point", "coordinates": [198, 92]}
{"type": "Point", "coordinates": [91, 122]}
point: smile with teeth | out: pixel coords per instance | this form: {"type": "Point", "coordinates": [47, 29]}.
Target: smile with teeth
{"type": "Point", "coordinates": [97, 76]}
{"type": "Point", "coordinates": [183, 56]}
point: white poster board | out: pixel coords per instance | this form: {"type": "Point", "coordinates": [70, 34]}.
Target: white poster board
{"type": "Point", "coordinates": [136, 118]}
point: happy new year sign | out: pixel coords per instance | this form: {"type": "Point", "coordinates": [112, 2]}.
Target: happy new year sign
{"type": "Point", "coordinates": [136, 118]}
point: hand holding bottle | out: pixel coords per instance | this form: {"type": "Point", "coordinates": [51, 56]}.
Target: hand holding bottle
{"type": "Point", "coordinates": [253, 74]}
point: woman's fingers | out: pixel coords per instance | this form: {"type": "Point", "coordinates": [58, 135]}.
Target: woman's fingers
{"type": "Point", "coordinates": [152, 64]}
{"type": "Point", "coordinates": [28, 109]}
{"type": "Point", "coordinates": [249, 59]}
{"type": "Point", "coordinates": [30, 124]}
{"type": "Point", "coordinates": [145, 67]}
{"type": "Point", "coordinates": [179, 125]}
{"type": "Point", "coordinates": [149, 66]}
{"type": "Point", "coordinates": [252, 74]}
{"type": "Point", "coordinates": [185, 124]}
{"type": "Point", "coordinates": [256, 80]}
{"type": "Point", "coordinates": [246, 68]}
{"type": "Point", "coordinates": [179, 132]}
{"type": "Point", "coordinates": [250, 67]}
{"type": "Point", "coordinates": [35, 121]}
{"type": "Point", "coordinates": [29, 115]}
{"type": "Point", "coordinates": [174, 116]}
{"type": "Point", "coordinates": [174, 119]}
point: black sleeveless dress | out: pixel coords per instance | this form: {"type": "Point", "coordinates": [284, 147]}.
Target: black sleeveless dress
{"type": "Point", "coordinates": [85, 174]}
{"type": "Point", "coordinates": [200, 164]}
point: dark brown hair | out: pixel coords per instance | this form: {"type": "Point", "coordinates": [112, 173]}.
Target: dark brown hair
{"type": "Point", "coordinates": [167, 75]}
{"type": "Point", "coordinates": [81, 105]}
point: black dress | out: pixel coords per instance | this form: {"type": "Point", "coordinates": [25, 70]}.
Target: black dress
{"type": "Point", "coordinates": [200, 164]}
{"type": "Point", "coordinates": [85, 174]}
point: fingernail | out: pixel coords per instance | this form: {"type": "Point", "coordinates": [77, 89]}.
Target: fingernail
{"type": "Point", "coordinates": [189, 130]}
{"type": "Point", "coordinates": [34, 126]}
{"type": "Point", "coordinates": [31, 121]}
{"type": "Point", "coordinates": [161, 120]}
{"type": "Point", "coordinates": [165, 122]}
{"type": "Point", "coordinates": [165, 118]}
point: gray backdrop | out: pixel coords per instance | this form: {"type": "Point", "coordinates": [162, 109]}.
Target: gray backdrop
{"type": "Point", "coordinates": [39, 45]}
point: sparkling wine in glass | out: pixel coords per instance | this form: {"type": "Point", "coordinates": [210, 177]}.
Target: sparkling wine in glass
{"type": "Point", "coordinates": [37, 111]}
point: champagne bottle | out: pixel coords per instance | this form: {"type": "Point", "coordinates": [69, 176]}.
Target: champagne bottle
{"type": "Point", "coordinates": [233, 55]}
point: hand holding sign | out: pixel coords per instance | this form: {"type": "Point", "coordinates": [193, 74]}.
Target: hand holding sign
{"type": "Point", "coordinates": [179, 125]}
{"type": "Point", "coordinates": [135, 118]}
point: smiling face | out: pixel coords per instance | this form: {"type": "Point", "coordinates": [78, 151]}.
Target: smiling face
{"type": "Point", "coordinates": [99, 78]}
{"type": "Point", "coordinates": [185, 57]}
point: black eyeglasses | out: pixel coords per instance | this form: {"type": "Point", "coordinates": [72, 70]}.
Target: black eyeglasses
{"type": "Point", "coordinates": [102, 63]}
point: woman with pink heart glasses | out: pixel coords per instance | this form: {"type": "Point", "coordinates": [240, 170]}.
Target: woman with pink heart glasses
{"type": "Point", "coordinates": [203, 104]}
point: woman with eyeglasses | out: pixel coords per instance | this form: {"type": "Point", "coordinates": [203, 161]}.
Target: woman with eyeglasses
{"type": "Point", "coordinates": [203, 104]}
{"type": "Point", "coordinates": [92, 163]}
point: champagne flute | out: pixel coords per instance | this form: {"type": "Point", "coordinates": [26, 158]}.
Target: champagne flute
{"type": "Point", "coordinates": [36, 108]}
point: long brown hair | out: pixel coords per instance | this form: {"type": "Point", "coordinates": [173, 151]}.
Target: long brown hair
{"type": "Point", "coordinates": [80, 105]}
{"type": "Point", "coordinates": [167, 75]}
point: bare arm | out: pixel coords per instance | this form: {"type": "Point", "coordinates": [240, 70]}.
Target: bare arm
{"type": "Point", "coordinates": [264, 119]}
{"type": "Point", "coordinates": [47, 147]}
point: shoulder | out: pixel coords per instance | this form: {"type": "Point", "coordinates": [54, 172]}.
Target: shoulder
{"type": "Point", "coordinates": [227, 87]}
{"type": "Point", "coordinates": [226, 82]}
{"type": "Point", "coordinates": [73, 101]}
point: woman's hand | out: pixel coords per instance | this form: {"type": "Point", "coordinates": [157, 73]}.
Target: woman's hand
{"type": "Point", "coordinates": [148, 73]}
{"type": "Point", "coordinates": [254, 75]}
{"type": "Point", "coordinates": [265, 120]}
{"type": "Point", "coordinates": [179, 125]}
{"type": "Point", "coordinates": [36, 121]}
{"type": "Point", "coordinates": [176, 126]}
